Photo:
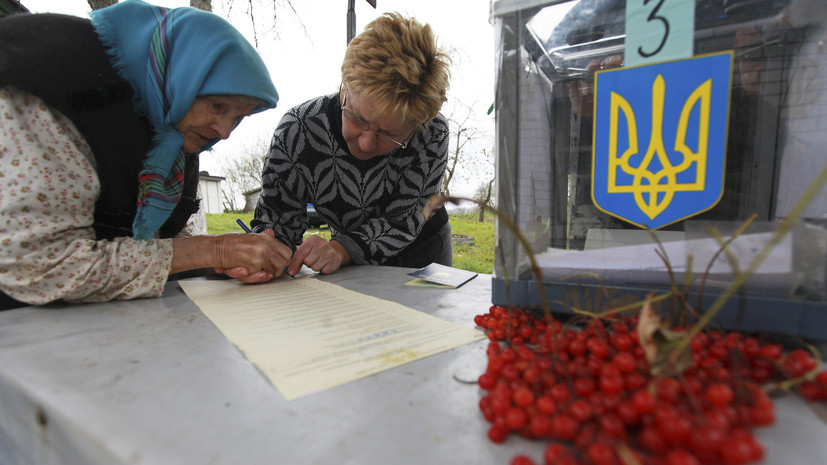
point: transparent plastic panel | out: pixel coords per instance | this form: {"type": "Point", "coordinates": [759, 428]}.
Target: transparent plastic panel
{"type": "Point", "coordinates": [775, 147]}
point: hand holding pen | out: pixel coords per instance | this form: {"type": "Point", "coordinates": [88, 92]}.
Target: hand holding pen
{"type": "Point", "coordinates": [248, 230]}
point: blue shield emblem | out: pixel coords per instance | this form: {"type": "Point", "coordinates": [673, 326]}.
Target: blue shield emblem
{"type": "Point", "coordinates": [659, 144]}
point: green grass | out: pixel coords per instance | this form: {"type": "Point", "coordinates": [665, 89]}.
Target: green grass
{"type": "Point", "coordinates": [478, 257]}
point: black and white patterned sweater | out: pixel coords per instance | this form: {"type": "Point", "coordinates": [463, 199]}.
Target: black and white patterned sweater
{"type": "Point", "coordinates": [373, 207]}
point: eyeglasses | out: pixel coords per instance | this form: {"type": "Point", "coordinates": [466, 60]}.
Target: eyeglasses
{"type": "Point", "coordinates": [365, 126]}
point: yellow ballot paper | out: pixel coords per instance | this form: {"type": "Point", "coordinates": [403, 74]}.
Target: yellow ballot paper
{"type": "Point", "coordinates": [307, 335]}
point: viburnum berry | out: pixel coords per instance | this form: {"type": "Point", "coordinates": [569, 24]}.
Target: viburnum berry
{"type": "Point", "coordinates": [510, 372]}
{"type": "Point", "coordinates": [811, 390]}
{"type": "Point", "coordinates": [736, 451]}
{"type": "Point", "coordinates": [718, 350]}
{"type": "Point", "coordinates": [650, 439]}
{"type": "Point", "coordinates": [593, 389]}
{"type": "Point", "coordinates": [560, 393]}
{"type": "Point", "coordinates": [698, 342]}
{"type": "Point", "coordinates": [522, 460]}
{"type": "Point", "coordinates": [563, 427]}
{"type": "Point", "coordinates": [580, 410]}
{"type": "Point", "coordinates": [583, 387]}
{"type": "Point", "coordinates": [600, 453]}
{"type": "Point", "coordinates": [531, 374]}
{"type": "Point", "coordinates": [676, 431]}
{"type": "Point", "coordinates": [500, 404]}
{"type": "Point", "coordinates": [611, 425]}
{"type": "Point", "coordinates": [487, 381]}
{"type": "Point", "coordinates": [628, 413]}
{"type": "Point", "coordinates": [798, 363]}
{"type": "Point", "coordinates": [693, 384]}
{"type": "Point", "coordinates": [705, 440]}
{"type": "Point", "coordinates": [762, 414]}
{"type": "Point", "coordinates": [760, 374]}
{"type": "Point", "coordinates": [719, 394]}
{"type": "Point", "coordinates": [597, 347]}
{"type": "Point", "coordinates": [497, 434]}
{"type": "Point", "coordinates": [771, 351]}
{"type": "Point", "coordinates": [644, 402]}
{"type": "Point", "coordinates": [681, 457]}
{"type": "Point", "coordinates": [587, 434]}
{"type": "Point", "coordinates": [625, 362]}
{"type": "Point", "coordinates": [557, 454]}
{"type": "Point", "coordinates": [516, 418]}
{"type": "Point", "coordinates": [622, 342]}
{"type": "Point", "coordinates": [546, 405]}
{"type": "Point", "coordinates": [523, 397]}
{"type": "Point", "coordinates": [634, 381]}
{"type": "Point", "coordinates": [667, 390]}
{"type": "Point", "coordinates": [540, 425]}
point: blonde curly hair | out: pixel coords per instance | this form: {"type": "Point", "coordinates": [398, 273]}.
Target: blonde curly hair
{"type": "Point", "coordinates": [395, 61]}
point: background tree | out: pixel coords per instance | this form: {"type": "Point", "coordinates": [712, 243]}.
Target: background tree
{"type": "Point", "coordinates": [242, 173]}
{"type": "Point", "coordinates": [98, 4]}
{"type": "Point", "coordinates": [205, 5]}
{"type": "Point", "coordinates": [485, 196]}
{"type": "Point", "coordinates": [466, 161]}
{"type": "Point", "coordinates": [485, 191]}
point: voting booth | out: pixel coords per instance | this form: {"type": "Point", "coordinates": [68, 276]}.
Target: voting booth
{"type": "Point", "coordinates": [634, 138]}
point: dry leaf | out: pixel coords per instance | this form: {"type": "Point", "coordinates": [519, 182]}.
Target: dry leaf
{"type": "Point", "coordinates": [659, 343]}
{"type": "Point", "coordinates": [627, 457]}
{"type": "Point", "coordinates": [647, 325]}
{"type": "Point", "coordinates": [666, 364]}
{"type": "Point", "coordinates": [435, 201]}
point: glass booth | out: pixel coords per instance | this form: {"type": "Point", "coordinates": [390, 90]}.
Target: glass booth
{"type": "Point", "coordinates": [581, 175]}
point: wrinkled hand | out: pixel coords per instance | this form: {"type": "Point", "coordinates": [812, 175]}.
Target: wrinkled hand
{"type": "Point", "coordinates": [318, 254]}
{"type": "Point", "coordinates": [251, 258]}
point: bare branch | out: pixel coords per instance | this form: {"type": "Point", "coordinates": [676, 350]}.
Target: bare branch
{"type": "Point", "coordinates": [98, 4]}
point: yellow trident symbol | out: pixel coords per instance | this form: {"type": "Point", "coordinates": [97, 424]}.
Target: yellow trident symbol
{"type": "Point", "coordinates": [652, 194]}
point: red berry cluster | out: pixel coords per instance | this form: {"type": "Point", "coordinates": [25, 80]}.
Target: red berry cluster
{"type": "Point", "coordinates": [592, 394]}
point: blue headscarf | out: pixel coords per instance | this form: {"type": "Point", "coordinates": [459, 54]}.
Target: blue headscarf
{"type": "Point", "coordinates": [171, 56]}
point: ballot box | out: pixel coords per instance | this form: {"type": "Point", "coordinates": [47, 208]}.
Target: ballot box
{"type": "Point", "coordinates": [646, 148]}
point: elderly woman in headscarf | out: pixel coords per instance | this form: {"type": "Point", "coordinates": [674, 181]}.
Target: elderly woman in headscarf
{"type": "Point", "coordinates": [101, 124]}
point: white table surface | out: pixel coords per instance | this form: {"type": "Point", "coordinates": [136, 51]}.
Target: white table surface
{"type": "Point", "coordinates": [154, 382]}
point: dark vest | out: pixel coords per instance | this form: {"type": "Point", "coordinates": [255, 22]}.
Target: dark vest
{"type": "Point", "coordinates": [61, 60]}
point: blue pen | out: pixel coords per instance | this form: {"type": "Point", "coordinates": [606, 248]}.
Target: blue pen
{"type": "Point", "coordinates": [248, 230]}
{"type": "Point", "coordinates": [243, 226]}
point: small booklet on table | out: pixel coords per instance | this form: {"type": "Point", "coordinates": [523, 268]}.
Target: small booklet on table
{"type": "Point", "coordinates": [437, 275]}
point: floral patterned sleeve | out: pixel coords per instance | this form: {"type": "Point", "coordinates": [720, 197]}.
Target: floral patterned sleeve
{"type": "Point", "coordinates": [48, 249]}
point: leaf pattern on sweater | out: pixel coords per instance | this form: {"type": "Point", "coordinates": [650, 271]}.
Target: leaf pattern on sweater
{"type": "Point", "coordinates": [373, 207]}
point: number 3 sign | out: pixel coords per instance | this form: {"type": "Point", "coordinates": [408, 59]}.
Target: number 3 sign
{"type": "Point", "coordinates": [658, 30]}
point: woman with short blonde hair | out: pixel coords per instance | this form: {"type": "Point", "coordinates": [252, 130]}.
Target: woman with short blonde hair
{"type": "Point", "coordinates": [368, 157]}
{"type": "Point", "coordinates": [396, 62]}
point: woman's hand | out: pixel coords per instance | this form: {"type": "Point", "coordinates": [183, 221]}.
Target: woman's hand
{"type": "Point", "coordinates": [250, 258]}
{"type": "Point", "coordinates": [320, 255]}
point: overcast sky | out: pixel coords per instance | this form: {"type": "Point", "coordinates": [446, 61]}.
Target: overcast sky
{"type": "Point", "coordinates": [304, 52]}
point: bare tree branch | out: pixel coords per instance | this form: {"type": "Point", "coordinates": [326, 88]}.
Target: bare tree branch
{"type": "Point", "coordinates": [98, 4]}
{"type": "Point", "coordinates": [464, 160]}
{"type": "Point", "coordinates": [255, 10]}
{"type": "Point", "coordinates": [242, 172]}
{"type": "Point", "coordinates": [205, 5]}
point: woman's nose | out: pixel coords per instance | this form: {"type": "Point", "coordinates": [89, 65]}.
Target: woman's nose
{"type": "Point", "coordinates": [224, 127]}
{"type": "Point", "coordinates": [367, 140]}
